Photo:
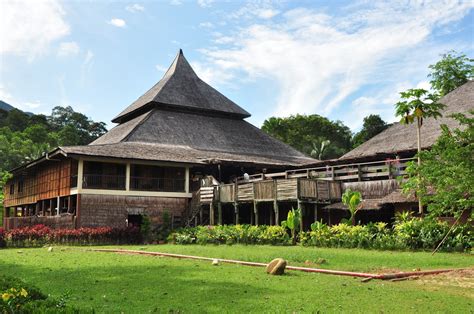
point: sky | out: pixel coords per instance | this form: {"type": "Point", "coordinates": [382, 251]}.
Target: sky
{"type": "Point", "coordinates": [339, 59]}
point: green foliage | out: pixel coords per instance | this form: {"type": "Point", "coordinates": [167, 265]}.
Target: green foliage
{"type": "Point", "coordinates": [293, 222]}
{"type": "Point", "coordinates": [417, 104]}
{"type": "Point", "coordinates": [352, 200]}
{"type": "Point", "coordinates": [452, 71]}
{"type": "Point", "coordinates": [16, 296]}
{"type": "Point", "coordinates": [24, 138]}
{"type": "Point", "coordinates": [230, 234]}
{"type": "Point", "coordinates": [406, 234]}
{"type": "Point", "coordinates": [448, 171]}
{"type": "Point", "coordinates": [303, 132]}
{"type": "Point", "coordinates": [163, 231]}
{"type": "Point", "coordinates": [145, 228]}
{"type": "Point", "coordinates": [373, 125]}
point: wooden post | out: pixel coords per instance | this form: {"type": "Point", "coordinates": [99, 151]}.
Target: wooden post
{"type": "Point", "coordinates": [69, 204]}
{"type": "Point", "coordinates": [275, 203]}
{"type": "Point", "coordinates": [300, 206]}
{"type": "Point", "coordinates": [219, 213]}
{"type": "Point", "coordinates": [236, 211]}
{"type": "Point", "coordinates": [315, 212]}
{"type": "Point", "coordinates": [272, 219]}
{"type": "Point", "coordinates": [200, 214]}
{"type": "Point", "coordinates": [211, 214]}
{"type": "Point", "coordinates": [252, 217]}
{"type": "Point", "coordinates": [255, 210]}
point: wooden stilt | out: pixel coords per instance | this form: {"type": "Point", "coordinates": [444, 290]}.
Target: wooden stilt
{"type": "Point", "coordinates": [219, 213]}
{"type": "Point", "coordinates": [236, 211]}
{"type": "Point", "coordinates": [255, 210]}
{"type": "Point", "coordinates": [315, 212]}
{"type": "Point", "coordinates": [200, 215]}
{"type": "Point", "coordinates": [211, 214]}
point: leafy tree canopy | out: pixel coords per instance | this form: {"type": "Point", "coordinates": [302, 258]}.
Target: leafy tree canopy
{"type": "Point", "coordinates": [305, 132]}
{"type": "Point", "coordinates": [373, 125]}
{"type": "Point", "coordinates": [452, 71]}
{"type": "Point", "coordinates": [445, 179]}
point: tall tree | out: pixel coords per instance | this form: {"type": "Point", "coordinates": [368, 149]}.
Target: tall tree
{"type": "Point", "coordinates": [452, 71]}
{"type": "Point", "coordinates": [448, 169]}
{"type": "Point", "coordinates": [416, 105]}
{"type": "Point", "coordinates": [75, 128]}
{"type": "Point", "coordinates": [303, 131]}
{"type": "Point", "coordinates": [373, 125]}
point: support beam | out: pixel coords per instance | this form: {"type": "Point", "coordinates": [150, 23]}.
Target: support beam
{"type": "Point", "coordinates": [276, 209]}
{"type": "Point", "coordinates": [211, 214]}
{"type": "Point", "coordinates": [315, 212]}
{"type": "Point", "coordinates": [255, 210]}
{"type": "Point", "coordinates": [236, 211]}
{"type": "Point", "coordinates": [200, 214]}
{"type": "Point", "coordinates": [301, 207]}
{"type": "Point", "coordinates": [219, 213]}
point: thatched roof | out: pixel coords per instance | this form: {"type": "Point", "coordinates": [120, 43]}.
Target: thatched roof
{"type": "Point", "coordinates": [189, 121]}
{"type": "Point", "coordinates": [181, 88]}
{"type": "Point", "coordinates": [397, 197]}
{"type": "Point", "coordinates": [402, 137]}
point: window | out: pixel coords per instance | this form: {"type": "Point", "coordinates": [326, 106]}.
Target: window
{"type": "Point", "coordinates": [103, 175]}
{"type": "Point", "coordinates": [157, 178]}
{"type": "Point", "coordinates": [21, 185]}
{"type": "Point", "coordinates": [12, 189]}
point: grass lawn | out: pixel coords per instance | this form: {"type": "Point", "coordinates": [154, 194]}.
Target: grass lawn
{"type": "Point", "coordinates": [116, 283]}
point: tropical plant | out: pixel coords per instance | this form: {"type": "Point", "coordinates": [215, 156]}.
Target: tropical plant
{"type": "Point", "coordinates": [416, 105]}
{"type": "Point", "coordinates": [319, 147]}
{"type": "Point", "coordinates": [452, 71]}
{"type": "Point", "coordinates": [448, 171]}
{"type": "Point", "coordinates": [352, 199]}
{"type": "Point", "coordinates": [292, 222]}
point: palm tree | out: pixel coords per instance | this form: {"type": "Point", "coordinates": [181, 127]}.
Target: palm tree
{"type": "Point", "coordinates": [416, 105]}
{"type": "Point", "coordinates": [319, 146]}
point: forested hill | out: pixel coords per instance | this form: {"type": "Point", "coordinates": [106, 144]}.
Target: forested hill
{"type": "Point", "coordinates": [25, 137]}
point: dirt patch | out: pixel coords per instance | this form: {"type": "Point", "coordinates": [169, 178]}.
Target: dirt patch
{"type": "Point", "coordinates": [457, 278]}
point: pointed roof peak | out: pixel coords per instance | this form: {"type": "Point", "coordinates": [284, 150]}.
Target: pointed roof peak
{"type": "Point", "coordinates": [181, 88]}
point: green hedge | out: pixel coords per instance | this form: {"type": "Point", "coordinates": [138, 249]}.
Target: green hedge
{"type": "Point", "coordinates": [412, 234]}
{"type": "Point", "coordinates": [230, 234]}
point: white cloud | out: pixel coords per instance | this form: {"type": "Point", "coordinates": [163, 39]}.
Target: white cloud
{"type": "Point", "coordinates": [267, 13]}
{"type": "Point", "coordinates": [206, 25]}
{"type": "Point", "coordinates": [5, 95]}
{"type": "Point", "coordinates": [205, 3]}
{"type": "Point", "coordinates": [68, 49]}
{"type": "Point", "coordinates": [319, 60]}
{"type": "Point", "coordinates": [134, 8]}
{"type": "Point", "coordinates": [27, 28]}
{"type": "Point", "coordinates": [86, 66]}
{"type": "Point", "coordinates": [161, 68]}
{"type": "Point", "coordinates": [176, 2]}
{"type": "Point", "coordinates": [117, 22]}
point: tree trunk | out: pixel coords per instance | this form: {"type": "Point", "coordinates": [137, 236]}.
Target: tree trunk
{"type": "Point", "coordinates": [418, 136]}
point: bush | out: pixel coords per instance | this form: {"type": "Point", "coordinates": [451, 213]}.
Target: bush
{"type": "Point", "coordinates": [230, 234]}
{"type": "Point", "coordinates": [406, 234]}
{"type": "Point", "coordinates": [411, 234]}
{"type": "Point", "coordinates": [18, 297]}
{"type": "Point", "coordinates": [40, 235]}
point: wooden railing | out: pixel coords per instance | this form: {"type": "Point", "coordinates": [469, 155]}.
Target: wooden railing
{"type": "Point", "coordinates": [385, 169]}
{"type": "Point", "coordinates": [279, 189]}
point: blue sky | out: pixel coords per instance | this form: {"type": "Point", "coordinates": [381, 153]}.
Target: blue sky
{"type": "Point", "coordinates": [340, 59]}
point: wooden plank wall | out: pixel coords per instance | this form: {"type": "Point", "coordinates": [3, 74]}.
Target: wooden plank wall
{"type": "Point", "coordinates": [264, 190]}
{"type": "Point", "coordinates": [50, 180]}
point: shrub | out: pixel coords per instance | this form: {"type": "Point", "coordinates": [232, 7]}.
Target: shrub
{"type": "Point", "coordinates": [231, 234]}
{"type": "Point", "coordinates": [18, 297]}
{"type": "Point", "coordinates": [40, 235]}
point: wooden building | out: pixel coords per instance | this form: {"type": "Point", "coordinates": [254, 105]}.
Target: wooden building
{"type": "Point", "coordinates": [185, 150]}
{"type": "Point", "coordinates": [180, 135]}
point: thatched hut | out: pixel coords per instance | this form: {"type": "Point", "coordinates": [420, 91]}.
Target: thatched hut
{"type": "Point", "coordinates": [167, 143]}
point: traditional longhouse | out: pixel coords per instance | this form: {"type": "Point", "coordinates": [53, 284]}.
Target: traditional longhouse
{"type": "Point", "coordinates": [179, 135]}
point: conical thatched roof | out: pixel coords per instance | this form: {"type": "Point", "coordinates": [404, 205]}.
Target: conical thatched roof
{"type": "Point", "coordinates": [183, 119]}
{"type": "Point", "coordinates": [182, 89]}
{"type": "Point", "coordinates": [402, 137]}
